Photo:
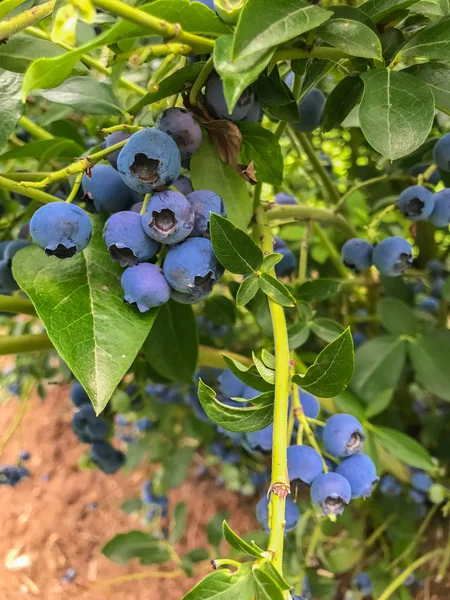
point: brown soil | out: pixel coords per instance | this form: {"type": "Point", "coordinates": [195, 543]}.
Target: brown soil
{"type": "Point", "coordinates": [47, 527]}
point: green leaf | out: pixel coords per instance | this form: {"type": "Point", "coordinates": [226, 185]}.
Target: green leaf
{"type": "Point", "coordinates": [135, 544]}
{"type": "Point", "coordinates": [433, 42]}
{"type": "Point", "coordinates": [437, 76]}
{"type": "Point", "coordinates": [266, 587]}
{"type": "Point", "coordinates": [239, 544]}
{"type": "Point", "coordinates": [343, 556]}
{"type": "Point", "coordinates": [86, 95]}
{"type": "Point", "coordinates": [298, 333]}
{"type": "Point", "coordinates": [171, 347]}
{"type": "Point", "coordinates": [214, 529]}
{"type": "Point", "coordinates": [234, 249]}
{"type": "Point", "coordinates": [132, 505]}
{"type": "Point", "coordinates": [317, 290]}
{"type": "Point", "coordinates": [224, 585]}
{"type": "Point", "coordinates": [176, 467]}
{"type": "Point", "coordinates": [247, 375]}
{"type": "Point", "coordinates": [21, 50]}
{"type": "Point", "coordinates": [403, 447]}
{"type": "Point", "coordinates": [238, 420]}
{"type": "Point", "coordinates": [269, 568]}
{"type": "Point", "coordinates": [237, 75]}
{"type": "Point", "coordinates": [7, 6]}
{"type": "Point", "coordinates": [446, 290]}
{"type": "Point", "coordinates": [379, 403]}
{"type": "Point", "coordinates": [263, 24]}
{"type": "Point", "coordinates": [377, 10]}
{"type": "Point", "coordinates": [46, 73]}
{"type": "Point", "coordinates": [430, 357]}
{"type": "Point", "coordinates": [209, 172]}
{"type": "Point", "coordinates": [378, 366]}
{"type": "Point", "coordinates": [262, 147]}
{"type": "Point", "coordinates": [332, 370]}
{"type": "Point", "coordinates": [270, 261]}
{"type": "Point", "coordinates": [266, 373]}
{"type": "Point", "coordinates": [326, 329]}
{"type": "Point", "coordinates": [10, 105]}
{"type": "Point", "coordinates": [80, 302]}
{"type": "Point", "coordinates": [397, 317]}
{"type": "Point", "coordinates": [396, 112]}
{"type": "Point", "coordinates": [276, 98]}
{"type": "Point", "coordinates": [352, 37]}
{"type": "Point", "coordinates": [45, 148]}
{"type": "Point", "coordinates": [349, 403]}
{"type": "Point", "coordinates": [343, 98]}
{"type": "Point", "coordinates": [247, 290]}
{"type": "Point", "coordinates": [268, 359]}
{"type": "Point", "coordinates": [220, 310]}
{"type": "Point", "coordinates": [174, 84]}
{"type": "Point", "coordinates": [276, 290]}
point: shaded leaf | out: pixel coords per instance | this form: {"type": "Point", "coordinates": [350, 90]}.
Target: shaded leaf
{"type": "Point", "coordinates": [379, 403]}
{"type": "Point", "coordinates": [135, 544]}
{"type": "Point", "coordinates": [437, 76]}
{"type": "Point", "coordinates": [262, 147]}
{"type": "Point", "coordinates": [220, 310]}
{"type": "Point", "coordinates": [10, 104]}
{"type": "Point", "coordinates": [298, 333]}
{"type": "Point", "coordinates": [317, 290]}
{"type": "Point", "coordinates": [224, 585]}
{"type": "Point", "coordinates": [45, 148]}
{"type": "Point", "coordinates": [430, 357]}
{"type": "Point", "coordinates": [397, 317]}
{"type": "Point", "coordinates": [377, 10]}
{"type": "Point", "coordinates": [326, 329]}
{"type": "Point", "coordinates": [276, 97]}
{"type": "Point", "coordinates": [234, 249]}
{"type": "Point", "coordinates": [247, 290]}
{"type": "Point", "coordinates": [352, 37]}
{"type": "Point", "coordinates": [343, 98]}
{"type": "Point", "coordinates": [432, 42]}
{"type": "Point", "coordinates": [403, 447]}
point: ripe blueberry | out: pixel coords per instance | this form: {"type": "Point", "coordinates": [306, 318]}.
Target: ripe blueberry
{"type": "Point", "coordinates": [187, 298]}
{"type": "Point", "coordinates": [255, 114]}
{"type": "Point", "coordinates": [261, 440]}
{"type": "Point", "coordinates": [87, 426]}
{"type": "Point", "coordinates": [149, 161]}
{"type": "Point", "coordinates": [183, 185]}
{"type": "Point", "coordinates": [7, 281]}
{"type": "Point", "coordinates": [283, 198]}
{"type": "Point", "coordinates": [192, 268]}
{"type": "Point", "coordinates": [311, 111]}
{"type": "Point", "coordinates": [421, 481]}
{"type": "Point", "coordinates": [11, 475]}
{"type": "Point", "coordinates": [343, 435]}
{"type": "Point", "coordinates": [78, 394]}
{"type": "Point", "coordinates": [107, 458]}
{"type": "Point", "coordinates": [357, 254]}
{"type": "Point", "coordinates": [310, 404]}
{"type": "Point", "coordinates": [126, 240]}
{"type": "Point", "coordinates": [143, 424]}
{"type": "Point", "coordinates": [364, 583]}
{"type": "Point", "coordinates": [304, 463]}
{"type": "Point", "coordinates": [61, 229]}
{"type": "Point", "coordinates": [287, 264]}
{"type": "Point", "coordinates": [441, 152]}
{"type": "Point", "coordinates": [436, 268]}
{"type": "Point", "coordinates": [440, 217]}
{"type": "Point", "coordinates": [358, 339]}
{"type": "Point", "coordinates": [292, 514]}
{"type": "Point", "coordinates": [181, 126]}
{"type": "Point", "coordinates": [416, 203]}
{"type": "Point", "coordinates": [430, 304]}
{"type": "Point", "coordinates": [389, 486]}
{"type": "Point", "coordinates": [361, 473]}
{"type": "Point", "coordinates": [205, 202]}
{"type": "Point", "coordinates": [331, 492]}
{"type": "Point", "coordinates": [393, 256]}
{"type": "Point", "coordinates": [230, 385]}
{"type": "Point", "coordinates": [111, 140]}
{"type": "Point", "coordinates": [216, 104]}
{"type": "Point", "coordinates": [106, 189]}
{"type": "Point", "coordinates": [145, 286]}
{"type": "Point", "coordinates": [168, 217]}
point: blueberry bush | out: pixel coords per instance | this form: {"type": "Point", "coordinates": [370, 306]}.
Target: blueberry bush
{"type": "Point", "coordinates": [227, 224]}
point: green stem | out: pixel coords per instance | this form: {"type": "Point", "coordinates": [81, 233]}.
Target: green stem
{"type": "Point", "coordinates": [75, 188]}
{"type": "Point", "coordinates": [16, 305]}
{"type": "Point", "coordinates": [159, 26]}
{"type": "Point", "coordinates": [317, 532]}
{"type": "Point", "coordinates": [407, 572]}
{"type": "Point", "coordinates": [34, 194]}
{"type": "Point", "coordinates": [200, 81]}
{"type": "Point", "coordinates": [223, 562]}
{"type": "Point", "coordinates": [359, 186]}
{"type": "Point", "coordinates": [146, 53]}
{"type": "Point", "coordinates": [379, 532]}
{"type": "Point", "coordinates": [445, 559]}
{"type": "Point", "coordinates": [318, 52]}
{"type": "Point", "coordinates": [305, 426]}
{"type": "Point", "coordinates": [35, 130]}
{"type": "Point", "coordinates": [335, 257]}
{"type": "Point", "coordinates": [19, 344]}
{"type": "Point", "coordinates": [310, 213]}
{"type": "Point", "coordinates": [32, 176]}
{"type": "Point", "coordinates": [303, 262]}
{"type": "Point", "coordinates": [417, 537]}
{"type": "Point", "coordinates": [25, 19]}
{"type": "Point", "coordinates": [164, 70]}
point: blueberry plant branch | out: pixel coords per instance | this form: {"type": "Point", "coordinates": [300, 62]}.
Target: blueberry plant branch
{"type": "Point", "coordinates": [19, 344]}
{"type": "Point", "coordinates": [310, 213]}
{"type": "Point", "coordinates": [24, 19]}
{"type": "Point", "coordinates": [159, 26]}
{"type": "Point", "coordinates": [34, 129]}
{"type": "Point", "coordinates": [200, 81]}
{"type": "Point", "coordinates": [34, 194]}
{"type": "Point", "coordinates": [16, 305]}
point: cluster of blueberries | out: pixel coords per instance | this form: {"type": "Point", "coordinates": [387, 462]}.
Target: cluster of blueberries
{"type": "Point", "coordinates": [94, 430]}
{"type": "Point", "coordinates": [12, 474]}
{"type": "Point", "coordinates": [156, 505]}
{"type": "Point", "coordinates": [392, 256]}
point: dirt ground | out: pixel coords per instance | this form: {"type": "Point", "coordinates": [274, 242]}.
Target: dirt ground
{"type": "Point", "coordinates": [47, 526]}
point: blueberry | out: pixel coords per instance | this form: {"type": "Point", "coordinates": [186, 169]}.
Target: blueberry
{"type": "Point", "coordinates": [168, 217]}
{"type": "Point", "coordinates": [143, 424]}
{"type": "Point", "coordinates": [181, 126]}
{"type": "Point", "coordinates": [283, 198]}
{"type": "Point", "coordinates": [436, 268]}
{"type": "Point", "coordinates": [417, 496]}
{"type": "Point", "coordinates": [149, 161]}
{"type": "Point", "coordinates": [310, 404]}
{"type": "Point", "coordinates": [88, 427]}
{"type": "Point", "coordinates": [216, 104]}
{"type": "Point", "coordinates": [436, 288]}
{"type": "Point", "coordinates": [61, 229]}
{"type": "Point", "coordinates": [416, 203]}
{"type": "Point", "coordinates": [430, 304]}
{"type": "Point", "coordinates": [208, 3]}
{"type": "Point", "coordinates": [440, 217]}
{"type": "Point", "coordinates": [24, 231]}
{"type": "Point", "coordinates": [357, 254]}
{"type": "Point", "coordinates": [361, 473]}
{"type": "Point", "coordinates": [304, 463]}
{"type": "Point", "coordinates": [255, 114]}
{"type": "Point", "coordinates": [419, 169]}
{"type": "Point", "coordinates": [278, 243]}
{"type": "Point", "coordinates": [13, 247]}
{"type": "Point", "coordinates": [343, 435]}
{"type": "Point", "coordinates": [145, 286]}
{"type": "Point", "coordinates": [111, 140]}
{"type": "Point", "coordinates": [126, 240]}
{"type": "Point", "coordinates": [25, 455]}
{"type": "Point", "coordinates": [289, 79]}
{"type": "Point", "coordinates": [287, 264]}
{"type": "Point", "coordinates": [421, 481]}
{"type": "Point", "coordinates": [187, 298]}
{"type": "Point", "coordinates": [12, 475]}
{"type": "Point", "coordinates": [121, 421]}
{"type": "Point", "coordinates": [7, 281]}
{"type": "Point", "coordinates": [106, 189]}
{"type": "Point", "coordinates": [78, 394]}
{"type": "Point", "coordinates": [230, 385]}
{"type": "Point", "coordinates": [441, 152]}
{"type": "Point", "coordinates": [393, 256]}
{"type": "Point", "coordinates": [364, 583]}
{"type": "Point", "coordinates": [107, 458]}
{"type": "Point", "coordinates": [205, 202]}
{"type": "Point", "coordinates": [192, 268]}
{"type": "Point", "coordinates": [311, 111]}
{"type": "Point", "coordinates": [69, 576]}
{"type": "Point", "coordinates": [358, 339]}
{"type": "Point", "coordinates": [331, 492]}
{"type": "Point", "coordinates": [183, 185]}
{"type": "Point", "coordinates": [136, 208]}
{"type": "Point", "coordinates": [261, 440]}
{"type": "Point", "coordinates": [3, 248]}
{"type": "Point", "coordinates": [292, 514]}
{"type": "Point", "coordinates": [389, 486]}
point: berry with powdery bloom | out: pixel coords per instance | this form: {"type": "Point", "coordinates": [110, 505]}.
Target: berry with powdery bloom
{"type": "Point", "coordinates": [421, 481]}
{"type": "Point", "coordinates": [331, 492]}
{"type": "Point", "coordinates": [217, 105]}
{"type": "Point", "coordinates": [284, 198]}
{"type": "Point", "coordinates": [364, 583]}
{"type": "Point", "coordinates": [126, 240]}
{"type": "Point", "coordinates": [430, 305]}
{"type": "Point", "coordinates": [357, 254]}
{"type": "Point", "coordinates": [361, 473]}
{"type": "Point", "coordinates": [261, 440]}
{"type": "Point", "coordinates": [183, 185]}
{"type": "Point", "coordinates": [441, 152]}
{"type": "Point", "coordinates": [187, 298]}
{"type": "Point", "coordinates": [304, 463]}
{"type": "Point", "coordinates": [343, 435]}
{"type": "Point", "coordinates": [393, 256]}
{"type": "Point", "coordinates": [107, 190]}
{"type": "Point", "coordinates": [416, 203]}
{"type": "Point", "coordinates": [390, 486]}
{"type": "Point", "coordinates": [145, 286]}
{"type": "Point", "coordinates": [168, 217]}
{"type": "Point", "coordinates": [205, 202]}
{"type": "Point", "coordinates": [181, 126]}
{"type": "Point", "coordinates": [107, 458]}
{"type": "Point", "coordinates": [292, 514]}
{"type": "Point", "coordinates": [440, 217]}
{"type": "Point", "coordinates": [230, 385]}
{"type": "Point", "coordinates": [111, 140]}
{"type": "Point", "coordinates": [78, 394]}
